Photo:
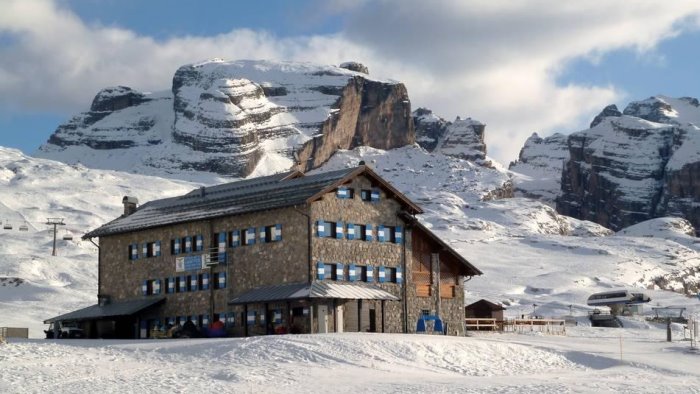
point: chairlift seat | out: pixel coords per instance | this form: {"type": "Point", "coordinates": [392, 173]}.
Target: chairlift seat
{"type": "Point", "coordinates": [7, 226]}
{"type": "Point", "coordinates": [23, 227]}
{"type": "Point", "coordinates": [68, 237]}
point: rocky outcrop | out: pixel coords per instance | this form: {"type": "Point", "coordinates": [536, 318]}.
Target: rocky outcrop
{"type": "Point", "coordinates": [462, 138]}
{"type": "Point", "coordinates": [126, 134]}
{"type": "Point", "coordinates": [609, 111]}
{"type": "Point", "coordinates": [537, 172]}
{"type": "Point", "coordinates": [233, 118]}
{"type": "Point", "coordinates": [635, 167]}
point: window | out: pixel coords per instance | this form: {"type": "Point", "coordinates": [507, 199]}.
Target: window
{"type": "Point", "coordinates": [332, 271]}
{"type": "Point", "coordinates": [331, 229]}
{"type": "Point", "coordinates": [391, 274]}
{"type": "Point", "coordinates": [298, 311]}
{"type": "Point", "coordinates": [390, 234]}
{"type": "Point", "coordinates": [364, 273]}
{"type": "Point", "coordinates": [249, 236]}
{"type": "Point", "coordinates": [371, 195]}
{"type": "Point", "coordinates": [361, 232]}
{"type": "Point", "coordinates": [133, 252]}
{"type": "Point", "coordinates": [345, 192]}
{"type": "Point", "coordinates": [219, 280]}
{"type": "Point", "coordinates": [271, 233]}
{"type": "Point", "coordinates": [234, 238]}
{"type": "Point", "coordinates": [175, 246]}
{"type": "Point", "coordinates": [366, 195]}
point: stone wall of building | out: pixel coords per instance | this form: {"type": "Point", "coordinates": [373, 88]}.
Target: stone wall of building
{"type": "Point", "coordinates": [247, 267]}
{"type": "Point", "coordinates": [330, 208]}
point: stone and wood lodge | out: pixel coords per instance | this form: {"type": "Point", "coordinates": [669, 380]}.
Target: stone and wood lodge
{"type": "Point", "coordinates": [329, 252]}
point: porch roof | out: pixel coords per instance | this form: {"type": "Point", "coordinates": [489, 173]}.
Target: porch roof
{"type": "Point", "coordinates": [315, 290]}
{"type": "Point", "coordinates": [113, 309]}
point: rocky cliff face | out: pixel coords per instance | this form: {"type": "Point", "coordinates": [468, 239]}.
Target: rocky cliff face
{"type": "Point", "coordinates": [462, 138]}
{"type": "Point", "coordinates": [537, 172]}
{"type": "Point", "coordinates": [237, 118]}
{"type": "Point", "coordinates": [639, 165]}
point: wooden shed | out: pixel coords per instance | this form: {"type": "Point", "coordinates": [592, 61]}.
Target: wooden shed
{"type": "Point", "coordinates": [484, 309]}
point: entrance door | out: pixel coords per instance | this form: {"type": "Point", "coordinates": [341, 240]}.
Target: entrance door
{"type": "Point", "coordinates": [372, 320]}
{"type": "Point", "coordinates": [322, 319]}
{"type": "Point", "coordinates": [339, 318]}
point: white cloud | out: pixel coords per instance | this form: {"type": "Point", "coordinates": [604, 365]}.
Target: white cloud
{"type": "Point", "coordinates": [496, 61]}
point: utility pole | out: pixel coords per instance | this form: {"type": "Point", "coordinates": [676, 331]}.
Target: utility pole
{"type": "Point", "coordinates": [54, 222]}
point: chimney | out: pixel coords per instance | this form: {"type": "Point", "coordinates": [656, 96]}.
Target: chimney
{"type": "Point", "coordinates": [202, 191]}
{"type": "Point", "coordinates": [130, 204]}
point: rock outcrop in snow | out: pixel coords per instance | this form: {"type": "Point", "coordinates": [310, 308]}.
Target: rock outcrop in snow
{"type": "Point", "coordinates": [463, 138]}
{"type": "Point", "coordinates": [640, 165]}
{"type": "Point", "coordinates": [228, 118]}
{"type": "Point", "coordinates": [537, 171]}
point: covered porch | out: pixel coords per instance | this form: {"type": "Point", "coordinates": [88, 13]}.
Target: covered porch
{"type": "Point", "coordinates": [318, 307]}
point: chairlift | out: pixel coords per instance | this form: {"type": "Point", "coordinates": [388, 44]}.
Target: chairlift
{"type": "Point", "coordinates": [7, 226]}
{"type": "Point", "coordinates": [67, 236]}
{"type": "Point", "coordinates": [23, 227]}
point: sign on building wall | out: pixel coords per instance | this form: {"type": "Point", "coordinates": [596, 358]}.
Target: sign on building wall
{"type": "Point", "coordinates": [190, 263]}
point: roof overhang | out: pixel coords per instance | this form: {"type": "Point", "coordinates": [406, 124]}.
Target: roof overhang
{"type": "Point", "coordinates": [470, 269]}
{"type": "Point", "coordinates": [113, 309]}
{"type": "Point", "coordinates": [315, 290]}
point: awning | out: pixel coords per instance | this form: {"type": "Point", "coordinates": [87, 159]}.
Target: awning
{"type": "Point", "coordinates": [328, 290]}
{"type": "Point", "coordinates": [113, 309]}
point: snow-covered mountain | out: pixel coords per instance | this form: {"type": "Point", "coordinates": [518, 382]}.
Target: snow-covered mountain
{"type": "Point", "coordinates": [629, 167]}
{"type": "Point", "coordinates": [463, 138]}
{"type": "Point", "coordinates": [234, 119]}
{"type": "Point", "coordinates": [529, 254]}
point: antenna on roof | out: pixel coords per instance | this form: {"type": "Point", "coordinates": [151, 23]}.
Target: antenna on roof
{"type": "Point", "coordinates": [54, 222]}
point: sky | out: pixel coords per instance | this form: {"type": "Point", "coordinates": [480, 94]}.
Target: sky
{"type": "Point", "coordinates": [518, 66]}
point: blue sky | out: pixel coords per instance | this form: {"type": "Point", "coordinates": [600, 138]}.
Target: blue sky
{"type": "Point", "coordinates": [518, 67]}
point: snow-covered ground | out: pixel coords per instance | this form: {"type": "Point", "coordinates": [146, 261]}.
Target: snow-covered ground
{"type": "Point", "coordinates": [587, 360]}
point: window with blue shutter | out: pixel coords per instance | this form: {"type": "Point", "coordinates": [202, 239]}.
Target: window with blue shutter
{"type": "Point", "coordinates": [368, 232]}
{"type": "Point", "coordinates": [133, 252]}
{"type": "Point", "coordinates": [374, 197]}
{"type": "Point", "coordinates": [351, 231]}
{"type": "Point", "coordinates": [221, 255]}
{"type": "Point", "coordinates": [262, 319]}
{"type": "Point", "coordinates": [262, 234]}
{"type": "Point", "coordinates": [193, 282]}
{"type": "Point", "coordinates": [156, 286]}
{"type": "Point", "coordinates": [399, 275]}
{"type": "Point", "coordinates": [235, 238]}
{"type": "Point", "coordinates": [175, 246]}
{"type": "Point", "coordinates": [381, 236]}
{"type": "Point", "coordinates": [250, 236]}
{"type": "Point", "coordinates": [339, 226]}
{"type": "Point", "coordinates": [344, 193]}
{"type": "Point", "coordinates": [250, 318]}
{"type": "Point", "coordinates": [182, 284]}
{"type": "Point", "coordinates": [352, 272]}
{"type": "Point", "coordinates": [278, 232]}
{"type": "Point", "coordinates": [321, 228]}
{"type": "Point", "coordinates": [398, 235]}
{"type": "Point", "coordinates": [205, 281]}
{"type": "Point", "coordinates": [144, 287]}
{"type": "Point", "coordinates": [157, 249]}
{"type": "Point", "coordinates": [171, 285]}
{"type": "Point", "coordinates": [339, 272]}
{"type": "Point", "coordinates": [205, 320]}
{"type": "Point", "coordinates": [382, 274]}
{"type": "Point", "coordinates": [320, 270]}
{"type": "Point", "coordinates": [188, 244]}
{"type": "Point", "coordinates": [144, 249]}
{"type": "Point", "coordinates": [370, 274]}
{"type": "Point", "coordinates": [199, 243]}
{"type": "Point", "coordinates": [221, 280]}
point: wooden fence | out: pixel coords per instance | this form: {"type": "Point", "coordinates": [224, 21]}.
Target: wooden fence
{"type": "Point", "coordinates": [545, 326]}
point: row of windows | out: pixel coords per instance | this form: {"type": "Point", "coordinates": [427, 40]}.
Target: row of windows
{"type": "Point", "coordinates": [189, 244]}
{"type": "Point", "coordinates": [183, 284]}
{"type": "Point", "coordinates": [252, 317]}
{"type": "Point", "coordinates": [361, 232]}
{"type": "Point", "coordinates": [148, 249]}
{"type": "Point", "coordinates": [370, 195]}
{"type": "Point", "coordinates": [359, 273]}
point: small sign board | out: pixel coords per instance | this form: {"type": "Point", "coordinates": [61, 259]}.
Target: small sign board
{"type": "Point", "coordinates": [190, 263]}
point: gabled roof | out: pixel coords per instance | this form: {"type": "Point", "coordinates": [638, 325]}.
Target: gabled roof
{"type": "Point", "coordinates": [469, 269]}
{"type": "Point", "coordinates": [246, 196]}
{"type": "Point", "coordinates": [485, 303]}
